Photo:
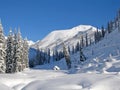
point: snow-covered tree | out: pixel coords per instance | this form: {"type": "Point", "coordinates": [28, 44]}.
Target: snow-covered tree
{"type": "Point", "coordinates": [90, 40]}
{"type": "Point", "coordinates": [67, 56]}
{"type": "Point", "coordinates": [25, 53]}
{"type": "Point", "coordinates": [18, 56]}
{"type": "Point", "coordinates": [56, 55]}
{"type": "Point", "coordinates": [97, 36]}
{"type": "Point", "coordinates": [119, 20]}
{"type": "Point", "coordinates": [73, 50]}
{"type": "Point", "coordinates": [77, 47]}
{"type": "Point", "coordinates": [48, 54]}
{"type": "Point", "coordinates": [103, 31]}
{"type": "Point", "coordinates": [69, 50]}
{"type": "Point", "coordinates": [37, 60]}
{"type": "Point", "coordinates": [86, 37]}
{"type": "Point", "coordinates": [10, 53]}
{"type": "Point", "coordinates": [82, 56]}
{"type": "Point", "coordinates": [82, 41]}
{"type": "Point", "coordinates": [2, 50]}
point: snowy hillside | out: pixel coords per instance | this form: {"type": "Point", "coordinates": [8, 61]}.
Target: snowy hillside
{"type": "Point", "coordinates": [69, 36]}
{"type": "Point", "coordinates": [103, 57]}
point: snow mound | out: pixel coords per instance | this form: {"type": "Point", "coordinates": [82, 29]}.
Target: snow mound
{"type": "Point", "coordinates": [56, 68]}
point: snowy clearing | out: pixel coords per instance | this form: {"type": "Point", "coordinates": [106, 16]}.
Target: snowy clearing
{"type": "Point", "coordinates": [58, 80]}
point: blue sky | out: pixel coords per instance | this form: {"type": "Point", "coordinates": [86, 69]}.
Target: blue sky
{"type": "Point", "coordinates": [37, 18]}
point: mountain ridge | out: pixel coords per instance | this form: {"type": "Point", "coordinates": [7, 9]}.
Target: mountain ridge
{"type": "Point", "coordinates": [56, 37]}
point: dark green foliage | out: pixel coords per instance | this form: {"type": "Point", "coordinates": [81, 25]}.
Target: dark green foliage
{"type": "Point", "coordinates": [82, 56]}
{"type": "Point", "coordinates": [73, 50]}
{"type": "Point", "coordinates": [77, 47]}
{"type": "Point", "coordinates": [86, 40]}
{"type": "Point", "coordinates": [67, 56]}
{"type": "Point", "coordinates": [103, 31]}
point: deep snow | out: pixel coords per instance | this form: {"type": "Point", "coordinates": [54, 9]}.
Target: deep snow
{"type": "Point", "coordinates": [58, 80]}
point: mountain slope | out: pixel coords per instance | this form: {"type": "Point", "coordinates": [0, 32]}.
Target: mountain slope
{"type": "Point", "coordinates": [69, 36]}
{"type": "Point", "coordinates": [102, 57]}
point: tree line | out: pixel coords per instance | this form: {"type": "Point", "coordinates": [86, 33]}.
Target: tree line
{"type": "Point", "coordinates": [13, 52]}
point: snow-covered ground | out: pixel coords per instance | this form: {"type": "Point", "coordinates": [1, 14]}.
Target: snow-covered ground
{"type": "Point", "coordinates": [101, 71]}
{"type": "Point", "coordinates": [58, 80]}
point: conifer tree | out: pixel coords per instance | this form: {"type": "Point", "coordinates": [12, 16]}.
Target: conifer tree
{"type": "Point", "coordinates": [37, 60]}
{"type": "Point", "coordinates": [2, 50]}
{"type": "Point", "coordinates": [67, 56]}
{"type": "Point", "coordinates": [86, 40]}
{"type": "Point", "coordinates": [10, 54]}
{"type": "Point", "coordinates": [53, 55]}
{"type": "Point", "coordinates": [56, 55]}
{"type": "Point", "coordinates": [18, 55]}
{"type": "Point", "coordinates": [82, 42]}
{"type": "Point", "coordinates": [69, 49]}
{"type": "Point", "coordinates": [77, 47]}
{"type": "Point", "coordinates": [48, 55]}
{"type": "Point", "coordinates": [15, 56]}
{"type": "Point", "coordinates": [103, 31]}
{"type": "Point", "coordinates": [119, 20]}
{"type": "Point", "coordinates": [25, 53]}
{"type": "Point", "coordinates": [73, 50]}
{"type": "Point", "coordinates": [90, 41]}
{"type": "Point", "coordinates": [82, 56]}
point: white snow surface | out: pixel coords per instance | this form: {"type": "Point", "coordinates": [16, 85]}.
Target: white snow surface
{"type": "Point", "coordinates": [58, 80]}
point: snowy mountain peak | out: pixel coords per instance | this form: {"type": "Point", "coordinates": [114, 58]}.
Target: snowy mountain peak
{"type": "Point", "coordinates": [82, 27]}
{"type": "Point", "coordinates": [30, 42]}
{"type": "Point", "coordinates": [58, 36]}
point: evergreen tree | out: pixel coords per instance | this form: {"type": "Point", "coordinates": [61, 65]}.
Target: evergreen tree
{"type": "Point", "coordinates": [103, 31]}
{"type": "Point", "coordinates": [37, 60]}
{"type": "Point", "coordinates": [82, 56]}
{"type": "Point", "coordinates": [15, 51]}
{"type": "Point", "coordinates": [25, 53]}
{"type": "Point", "coordinates": [10, 54]}
{"type": "Point", "coordinates": [97, 36]}
{"type": "Point", "coordinates": [119, 20]}
{"type": "Point", "coordinates": [61, 55]}
{"type": "Point", "coordinates": [53, 55]}
{"type": "Point", "coordinates": [110, 27]}
{"type": "Point", "coordinates": [86, 40]}
{"type": "Point", "coordinates": [82, 42]}
{"type": "Point", "coordinates": [44, 58]}
{"type": "Point", "coordinates": [77, 47]}
{"type": "Point", "coordinates": [90, 41]}
{"type": "Point", "coordinates": [67, 56]}
{"type": "Point", "coordinates": [48, 54]}
{"type": "Point", "coordinates": [18, 52]}
{"type": "Point", "coordinates": [56, 55]}
{"type": "Point", "coordinates": [73, 50]}
{"type": "Point", "coordinates": [2, 50]}
{"type": "Point", "coordinates": [69, 49]}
